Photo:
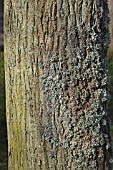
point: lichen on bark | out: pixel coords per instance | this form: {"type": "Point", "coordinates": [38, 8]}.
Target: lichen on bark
{"type": "Point", "coordinates": [57, 85]}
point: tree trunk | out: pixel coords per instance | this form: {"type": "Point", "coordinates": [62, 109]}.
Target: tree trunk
{"type": "Point", "coordinates": [110, 52]}
{"type": "Point", "coordinates": [56, 84]}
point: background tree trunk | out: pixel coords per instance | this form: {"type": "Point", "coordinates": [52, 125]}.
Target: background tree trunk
{"type": "Point", "coordinates": [56, 84]}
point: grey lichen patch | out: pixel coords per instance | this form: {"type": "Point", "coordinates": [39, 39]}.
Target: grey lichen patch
{"type": "Point", "coordinates": [75, 85]}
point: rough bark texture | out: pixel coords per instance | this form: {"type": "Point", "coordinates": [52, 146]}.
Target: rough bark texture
{"type": "Point", "coordinates": [111, 29]}
{"type": "Point", "coordinates": [56, 84]}
{"type": "Point", "coordinates": [111, 20]}
{"type": "Point", "coordinates": [1, 25]}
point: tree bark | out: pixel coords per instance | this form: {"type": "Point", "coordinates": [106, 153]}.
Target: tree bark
{"type": "Point", "coordinates": [57, 84]}
{"type": "Point", "coordinates": [110, 51]}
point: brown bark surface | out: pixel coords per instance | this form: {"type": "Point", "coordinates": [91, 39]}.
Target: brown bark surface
{"type": "Point", "coordinates": [1, 25]}
{"type": "Point", "coordinates": [110, 2]}
{"type": "Point", "coordinates": [56, 84]}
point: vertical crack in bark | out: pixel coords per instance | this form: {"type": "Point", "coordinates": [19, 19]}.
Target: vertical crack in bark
{"type": "Point", "coordinates": [56, 62]}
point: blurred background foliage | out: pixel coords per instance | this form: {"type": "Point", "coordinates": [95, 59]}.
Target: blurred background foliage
{"type": "Point", "coordinates": [3, 131]}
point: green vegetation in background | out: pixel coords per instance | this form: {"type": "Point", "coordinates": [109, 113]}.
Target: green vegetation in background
{"type": "Point", "coordinates": [110, 69]}
{"type": "Point", "coordinates": [110, 73]}
{"type": "Point", "coordinates": [3, 132]}
{"type": "Point", "coordinates": [110, 54]}
{"type": "Point", "coordinates": [2, 68]}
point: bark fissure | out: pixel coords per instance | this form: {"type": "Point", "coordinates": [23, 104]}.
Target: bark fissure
{"type": "Point", "coordinates": [56, 81]}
